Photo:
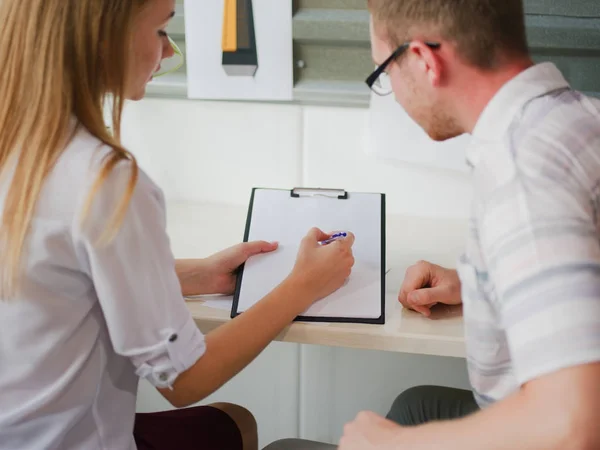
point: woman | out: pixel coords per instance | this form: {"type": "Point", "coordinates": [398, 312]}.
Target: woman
{"type": "Point", "coordinates": [90, 296]}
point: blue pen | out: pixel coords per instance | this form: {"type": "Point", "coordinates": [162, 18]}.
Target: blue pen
{"type": "Point", "coordinates": [334, 237]}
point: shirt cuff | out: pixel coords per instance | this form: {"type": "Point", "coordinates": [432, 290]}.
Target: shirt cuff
{"type": "Point", "coordinates": [179, 350]}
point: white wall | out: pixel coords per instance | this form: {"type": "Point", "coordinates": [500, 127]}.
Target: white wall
{"type": "Point", "coordinates": [218, 151]}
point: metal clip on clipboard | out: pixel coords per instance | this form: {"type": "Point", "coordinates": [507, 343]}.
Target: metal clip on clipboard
{"type": "Point", "coordinates": [340, 194]}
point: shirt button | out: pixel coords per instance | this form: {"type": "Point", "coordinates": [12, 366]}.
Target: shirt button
{"type": "Point", "coordinates": [173, 337]}
{"type": "Point", "coordinates": [163, 377]}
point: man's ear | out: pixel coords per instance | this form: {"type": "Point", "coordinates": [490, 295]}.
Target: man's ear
{"type": "Point", "coordinates": [428, 61]}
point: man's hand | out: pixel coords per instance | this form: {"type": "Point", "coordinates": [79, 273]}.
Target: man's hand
{"type": "Point", "coordinates": [427, 284]}
{"type": "Point", "coordinates": [370, 432]}
{"type": "Point", "coordinates": [217, 273]}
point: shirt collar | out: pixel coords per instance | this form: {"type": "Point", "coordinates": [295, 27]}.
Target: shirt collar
{"type": "Point", "coordinates": [499, 113]}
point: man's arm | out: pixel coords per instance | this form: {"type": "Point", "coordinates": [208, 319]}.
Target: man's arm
{"type": "Point", "coordinates": [558, 411]}
{"type": "Point", "coordinates": [554, 412]}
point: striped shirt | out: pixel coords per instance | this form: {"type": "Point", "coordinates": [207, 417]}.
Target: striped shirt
{"type": "Point", "coordinates": [531, 270]}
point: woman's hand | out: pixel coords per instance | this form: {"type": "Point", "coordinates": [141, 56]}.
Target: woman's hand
{"type": "Point", "coordinates": [322, 269]}
{"type": "Point", "coordinates": [319, 270]}
{"type": "Point", "coordinates": [217, 273]}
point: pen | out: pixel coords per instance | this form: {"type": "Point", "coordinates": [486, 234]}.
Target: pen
{"type": "Point", "coordinates": [334, 237]}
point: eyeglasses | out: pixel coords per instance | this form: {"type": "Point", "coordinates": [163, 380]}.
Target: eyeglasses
{"type": "Point", "coordinates": [379, 81]}
{"type": "Point", "coordinates": [170, 65]}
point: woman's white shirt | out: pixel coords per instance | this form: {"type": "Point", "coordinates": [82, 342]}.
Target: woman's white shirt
{"type": "Point", "coordinates": [88, 320]}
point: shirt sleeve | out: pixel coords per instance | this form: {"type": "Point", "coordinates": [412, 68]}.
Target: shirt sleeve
{"type": "Point", "coordinates": [541, 245]}
{"type": "Point", "coordinates": [136, 283]}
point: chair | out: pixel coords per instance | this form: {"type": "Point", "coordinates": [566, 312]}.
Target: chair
{"type": "Point", "coordinates": [298, 444]}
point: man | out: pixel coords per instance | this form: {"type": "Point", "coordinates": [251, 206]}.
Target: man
{"type": "Point", "coordinates": [530, 275]}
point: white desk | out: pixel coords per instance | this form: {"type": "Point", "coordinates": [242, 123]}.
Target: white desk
{"type": "Point", "coordinates": [198, 230]}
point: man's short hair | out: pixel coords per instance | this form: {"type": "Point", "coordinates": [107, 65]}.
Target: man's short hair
{"type": "Point", "coordinates": [482, 30]}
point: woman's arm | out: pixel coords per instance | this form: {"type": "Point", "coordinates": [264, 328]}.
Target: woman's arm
{"type": "Point", "coordinates": [319, 271]}
{"type": "Point", "coordinates": [235, 344]}
{"type": "Point", "coordinates": [216, 274]}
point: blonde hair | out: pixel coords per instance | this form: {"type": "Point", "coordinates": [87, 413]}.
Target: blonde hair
{"type": "Point", "coordinates": [481, 29]}
{"type": "Point", "coordinates": [62, 59]}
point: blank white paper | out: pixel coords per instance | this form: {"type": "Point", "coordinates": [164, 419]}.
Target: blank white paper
{"type": "Point", "coordinates": [276, 216]}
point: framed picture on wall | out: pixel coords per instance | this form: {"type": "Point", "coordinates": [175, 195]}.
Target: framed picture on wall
{"type": "Point", "coordinates": [239, 49]}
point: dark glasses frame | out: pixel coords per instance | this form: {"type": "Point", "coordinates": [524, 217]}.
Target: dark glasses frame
{"type": "Point", "coordinates": [371, 79]}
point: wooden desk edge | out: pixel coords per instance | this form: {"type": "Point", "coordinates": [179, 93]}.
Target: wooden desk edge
{"type": "Point", "coordinates": [302, 333]}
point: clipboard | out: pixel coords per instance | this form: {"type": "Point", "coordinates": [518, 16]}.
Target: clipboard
{"type": "Point", "coordinates": [286, 216]}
